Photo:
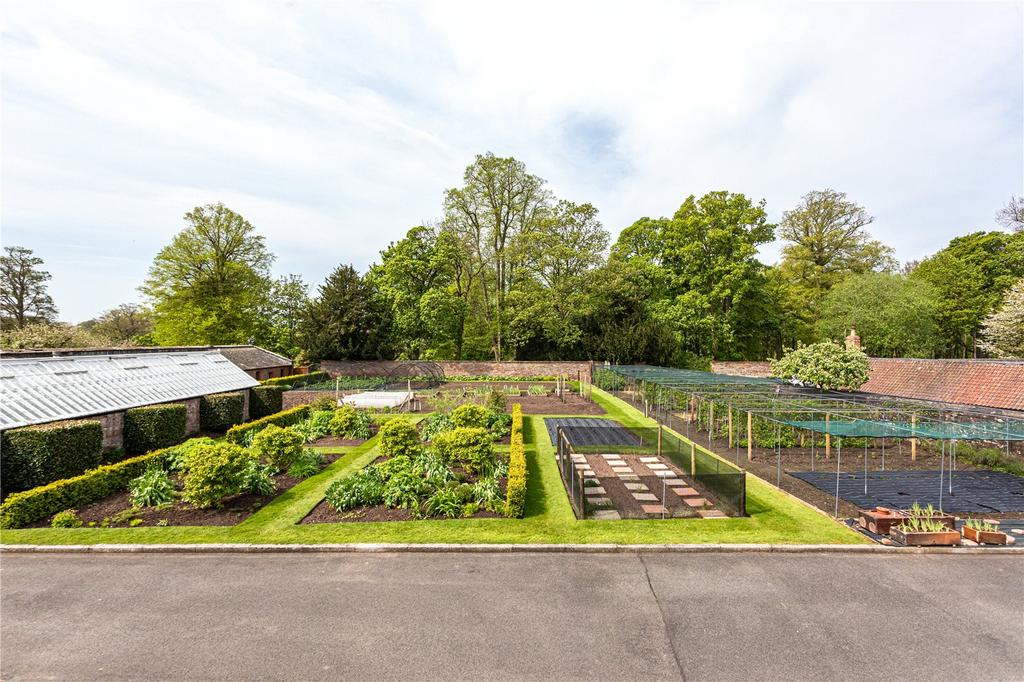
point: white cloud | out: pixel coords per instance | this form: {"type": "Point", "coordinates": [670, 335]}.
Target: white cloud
{"type": "Point", "coordinates": [335, 127]}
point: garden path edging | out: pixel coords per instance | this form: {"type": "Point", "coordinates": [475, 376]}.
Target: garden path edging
{"type": "Point", "coordinates": [225, 548]}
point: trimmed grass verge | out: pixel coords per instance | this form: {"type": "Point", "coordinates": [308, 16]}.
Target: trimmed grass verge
{"type": "Point", "coordinates": [775, 518]}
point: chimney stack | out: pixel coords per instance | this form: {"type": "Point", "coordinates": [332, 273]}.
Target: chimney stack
{"type": "Point", "coordinates": [852, 340]}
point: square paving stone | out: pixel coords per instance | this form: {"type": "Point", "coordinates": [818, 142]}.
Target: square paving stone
{"type": "Point", "coordinates": [654, 508]}
{"type": "Point", "coordinates": [685, 492]}
{"type": "Point", "coordinates": [599, 501]}
{"type": "Point", "coordinates": [665, 474]}
{"type": "Point", "coordinates": [645, 497]}
{"type": "Point", "coordinates": [615, 463]}
{"type": "Point", "coordinates": [636, 486]}
{"type": "Point", "coordinates": [628, 477]}
{"type": "Point", "coordinates": [711, 514]}
{"type": "Point", "coordinates": [656, 467]}
{"type": "Point", "coordinates": [606, 515]}
{"type": "Point", "coordinates": [593, 490]}
{"type": "Point", "coordinates": [675, 482]}
{"type": "Point", "coordinates": [694, 501]}
{"type": "Point", "coordinates": [612, 456]}
{"type": "Point", "coordinates": [622, 470]}
{"type": "Point", "coordinates": [650, 460]}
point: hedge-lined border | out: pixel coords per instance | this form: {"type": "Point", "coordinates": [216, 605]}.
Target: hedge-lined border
{"type": "Point", "coordinates": [265, 401]}
{"type": "Point", "coordinates": [21, 509]}
{"type": "Point", "coordinates": [153, 427]}
{"type": "Point", "coordinates": [42, 453]}
{"type": "Point", "coordinates": [515, 488]}
{"type": "Point", "coordinates": [296, 380]}
{"type": "Point", "coordinates": [287, 418]}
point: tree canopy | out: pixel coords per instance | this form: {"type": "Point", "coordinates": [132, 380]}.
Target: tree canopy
{"type": "Point", "coordinates": [23, 295]}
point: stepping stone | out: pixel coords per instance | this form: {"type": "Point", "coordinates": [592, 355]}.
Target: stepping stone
{"type": "Point", "coordinates": [711, 514]}
{"type": "Point", "coordinates": [599, 501]}
{"type": "Point", "coordinates": [645, 497]}
{"type": "Point", "coordinates": [622, 470]}
{"type": "Point", "coordinates": [636, 486]}
{"type": "Point", "coordinates": [657, 467]}
{"type": "Point", "coordinates": [615, 463]}
{"type": "Point", "coordinates": [612, 456]}
{"type": "Point", "coordinates": [593, 490]}
{"type": "Point", "coordinates": [606, 515]}
{"type": "Point", "coordinates": [628, 477]}
{"type": "Point", "coordinates": [654, 509]}
{"type": "Point", "coordinates": [675, 482]}
{"type": "Point", "coordinates": [650, 460]}
{"type": "Point", "coordinates": [664, 474]}
{"type": "Point", "coordinates": [685, 492]}
{"type": "Point", "coordinates": [694, 501]}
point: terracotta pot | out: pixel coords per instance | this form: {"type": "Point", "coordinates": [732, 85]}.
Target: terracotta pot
{"type": "Point", "coordinates": [880, 519]}
{"type": "Point", "coordinates": [925, 539]}
{"type": "Point", "coordinates": [985, 537]}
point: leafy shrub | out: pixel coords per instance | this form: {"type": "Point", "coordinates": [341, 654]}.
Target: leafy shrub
{"type": "Point", "coordinates": [515, 488]}
{"type": "Point", "coordinates": [472, 416]}
{"type": "Point", "coordinates": [307, 464]}
{"type": "Point", "coordinates": [349, 422]}
{"type": "Point", "coordinates": [444, 502]}
{"type": "Point", "coordinates": [399, 437]}
{"type": "Point", "coordinates": [323, 404]}
{"type": "Point", "coordinates": [265, 401]}
{"type": "Point", "coordinates": [826, 365]}
{"type": "Point", "coordinates": [362, 489]}
{"type": "Point", "coordinates": [433, 468]}
{"type": "Point", "coordinates": [38, 455]}
{"type": "Point", "coordinates": [23, 508]}
{"type": "Point", "coordinates": [259, 478]}
{"type": "Point", "coordinates": [238, 434]}
{"type": "Point", "coordinates": [499, 424]}
{"type": "Point", "coordinates": [403, 489]}
{"type": "Point", "coordinates": [436, 423]}
{"type": "Point", "coordinates": [152, 427]}
{"type": "Point", "coordinates": [469, 446]}
{"type": "Point", "coordinates": [154, 487]}
{"type": "Point", "coordinates": [316, 427]}
{"type": "Point", "coordinates": [176, 458]}
{"type": "Point", "coordinates": [280, 447]}
{"type": "Point", "coordinates": [66, 519]}
{"type": "Point", "coordinates": [221, 411]}
{"type": "Point", "coordinates": [496, 401]}
{"type": "Point", "coordinates": [393, 466]}
{"type": "Point", "coordinates": [214, 473]}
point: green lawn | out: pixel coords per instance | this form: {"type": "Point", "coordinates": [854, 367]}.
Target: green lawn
{"type": "Point", "coordinates": [774, 517]}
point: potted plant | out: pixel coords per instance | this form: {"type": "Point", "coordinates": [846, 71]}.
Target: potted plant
{"type": "Point", "coordinates": [984, 533]}
{"type": "Point", "coordinates": [924, 532]}
{"type": "Point", "coordinates": [880, 519]}
{"type": "Point", "coordinates": [916, 511]}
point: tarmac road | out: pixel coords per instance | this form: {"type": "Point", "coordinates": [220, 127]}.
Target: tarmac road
{"type": "Point", "coordinates": [749, 616]}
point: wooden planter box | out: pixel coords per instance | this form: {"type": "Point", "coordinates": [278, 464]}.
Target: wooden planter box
{"type": "Point", "coordinates": [880, 519]}
{"type": "Point", "coordinates": [947, 519]}
{"type": "Point", "coordinates": [985, 537]}
{"type": "Point", "coordinates": [925, 539]}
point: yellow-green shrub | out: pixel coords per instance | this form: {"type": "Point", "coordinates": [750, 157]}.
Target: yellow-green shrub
{"type": "Point", "coordinates": [515, 489]}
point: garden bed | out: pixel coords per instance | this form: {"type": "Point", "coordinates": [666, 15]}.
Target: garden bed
{"type": "Point", "coordinates": [117, 512]}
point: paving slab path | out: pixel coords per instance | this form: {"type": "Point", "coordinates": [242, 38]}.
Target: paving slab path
{"type": "Point", "coordinates": [433, 616]}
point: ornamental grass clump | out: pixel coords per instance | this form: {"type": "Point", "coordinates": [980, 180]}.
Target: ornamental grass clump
{"type": "Point", "coordinates": [215, 472]}
{"type": "Point", "coordinates": [153, 488]}
{"type": "Point", "coordinates": [308, 464]}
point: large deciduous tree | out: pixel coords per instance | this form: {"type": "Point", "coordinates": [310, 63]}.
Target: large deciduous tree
{"type": "Point", "coordinates": [348, 320]}
{"type": "Point", "coordinates": [23, 296]}
{"type": "Point", "coordinates": [1011, 216]}
{"type": "Point", "coordinates": [1003, 330]}
{"type": "Point", "coordinates": [893, 314]}
{"type": "Point", "coordinates": [122, 324]}
{"type": "Point", "coordinates": [211, 284]}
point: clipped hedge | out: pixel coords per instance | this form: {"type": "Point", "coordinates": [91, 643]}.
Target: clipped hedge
{"type": "Point", "coordinates": [37, 455]}
{"type": "Point", "coordinates": [23, 508]}
{"type": "Point", "coordinates": [297, 380]}
{"type": "Point", "coordinates": [221, 411]}
{"type": "Point", "coordinates": [265, 400]}
{"type": "Point", "coordinates": [153, 427]}
{"type": "Point", "coordinates": [515, 492]}
{"type": "Point", "coordinates": [236, 434]}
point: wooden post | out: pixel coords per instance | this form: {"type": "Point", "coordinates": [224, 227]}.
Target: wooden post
{"type": "Point", "coordinates": [729, 407]}
{"type": "Point", "coordinates": [659, 440]}
{"type": "Point", "coordinates": [913, 441]}
{"type": "Point", "coordinates": [693, 459]}
{"type": "Point", "coordinates": [828, 439]}
{"type": "Point", "coordinates": [711, 418]}
{"type": "Point", "coordinates": [750, 436]}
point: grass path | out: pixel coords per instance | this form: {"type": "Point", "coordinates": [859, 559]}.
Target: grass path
{"type": "Point", "coordinates": [774, 517]}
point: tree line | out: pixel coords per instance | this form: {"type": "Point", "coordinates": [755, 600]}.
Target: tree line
{"type": "Point", "coordinates": [511, 271]}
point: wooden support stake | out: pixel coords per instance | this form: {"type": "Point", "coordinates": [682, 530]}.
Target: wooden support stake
{"type": "Point", "coordinates": [729, 407]}
{"type": "Point", "coordinates": [828, 439]}
{"type": "Point", "coordinates": [659, 439]}
{"type": "Point", "coordinates": [693, 459]}
{"type": "Point", "coordinates": [913, 441]}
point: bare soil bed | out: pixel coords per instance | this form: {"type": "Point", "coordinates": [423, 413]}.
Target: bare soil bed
{"type": "Point", "coordinates": [118, 512]}
{"type": "Point", "coordinates": [551, 405]}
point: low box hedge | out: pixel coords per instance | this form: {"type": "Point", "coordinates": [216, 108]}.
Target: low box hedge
{"type": "Point", "coordinates": [236, 434]}
{"type": "Point", "coordinates": [37, 455]}
{"type": "Point", "coordinates": [265, 401]}
{"type": "Point", "coordinates": [23, 508]}
{"type": "Point", "coordinates": [515, 490]}
{"type": "Point", "coordinates": [297, 380]}
{"type": "Point", "coordinates": [153, 427]}
{"type": "Point", "coordinates": [221, 411]}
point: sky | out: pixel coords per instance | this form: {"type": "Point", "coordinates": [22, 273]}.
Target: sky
{"type": "Point", "coordinates": [334, 127]}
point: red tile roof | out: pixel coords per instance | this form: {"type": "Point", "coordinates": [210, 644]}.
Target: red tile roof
{"type": "Point", "coordinates": [991, 383]}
